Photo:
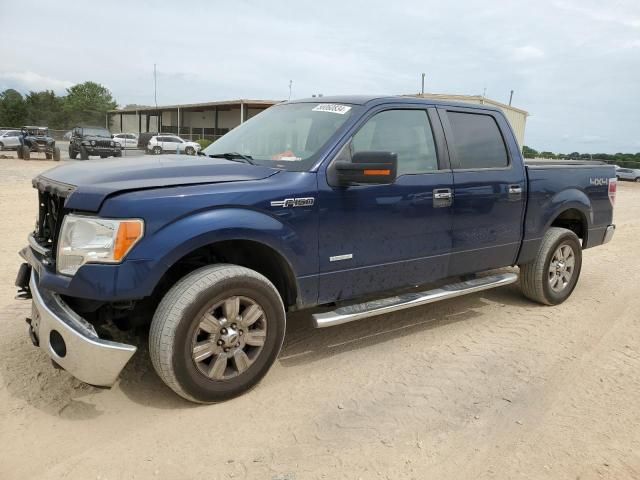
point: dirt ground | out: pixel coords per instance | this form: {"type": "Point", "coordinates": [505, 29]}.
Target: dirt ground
{"type": "Point", "coordinates": [483, 386]}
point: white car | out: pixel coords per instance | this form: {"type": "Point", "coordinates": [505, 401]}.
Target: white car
{"type": "Point", "coordinates": [172, 143]}
{"type": "Point", "coordinates": [10, 139]}
{"type": "Point", "coordinates": [126, 140]}
{"type": "Point", "coordinates": [632, 174]}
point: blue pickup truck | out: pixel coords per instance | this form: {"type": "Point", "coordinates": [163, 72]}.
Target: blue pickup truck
{"type": "Point", "coordinates": [351, 206]}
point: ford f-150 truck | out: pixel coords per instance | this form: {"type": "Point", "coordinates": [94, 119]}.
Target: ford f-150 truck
{"type": "Point", "coordinates": [353, 206]}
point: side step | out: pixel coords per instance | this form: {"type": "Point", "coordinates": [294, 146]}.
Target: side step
{"type": "Point", "coordinates": [408, 300]}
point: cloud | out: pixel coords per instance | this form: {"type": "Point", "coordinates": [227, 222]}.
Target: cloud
{"type": "Point", "coordinates": [527, 52]}
{"type": "Point", "coordinates": [591, 139]}
{"type": "Point", "coordinates": [25, 81]}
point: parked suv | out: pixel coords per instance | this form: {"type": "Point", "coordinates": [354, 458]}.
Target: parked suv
{"type": "Point", "coordinates": [632, 174]}
{"type": "Point", "coordinates": [173, 144]}
{"type": "Point", "coordinates": [98, 141]}
{"type": "Point", "coordinates": [9, 139]}
{"type": "Point", "coordinates": [126, 140]}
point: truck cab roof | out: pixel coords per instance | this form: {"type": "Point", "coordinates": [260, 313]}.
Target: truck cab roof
{"type": "Point", "coordinates": [374, 100]}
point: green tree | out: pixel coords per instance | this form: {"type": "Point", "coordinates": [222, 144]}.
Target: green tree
{"type": "Point", "coordinates": [45, 108]}
{"type": "Point", "coordinates": [548, 155]}
{"type": "Point", "coordinates": [529, 152]}
{"type": "Point", "coordinates": [87, 103]}
{"type": "Point", "coordinates": [13, 110]}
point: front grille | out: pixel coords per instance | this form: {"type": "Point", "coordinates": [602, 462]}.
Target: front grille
{"type": "Point", "coordinates": [103, 143]}
{"type": "Point", "coordinates": [49, 219]}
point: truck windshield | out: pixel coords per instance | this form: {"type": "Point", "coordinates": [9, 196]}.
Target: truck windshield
{"type": "Point", "coordinates": [287, 136]}
{"type": "Point", "coordinates": [96, 132]}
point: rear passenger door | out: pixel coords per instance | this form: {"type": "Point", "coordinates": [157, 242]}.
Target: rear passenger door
{"type": "Point", "coordinates": [489, 189]}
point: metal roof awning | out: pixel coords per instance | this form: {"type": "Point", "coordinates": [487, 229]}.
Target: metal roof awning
{"type": "Point", "coordinates": [221, 105]}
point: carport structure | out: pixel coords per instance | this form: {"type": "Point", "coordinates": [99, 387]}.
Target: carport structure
{"type": "Point", "coordinates": [194, 120]}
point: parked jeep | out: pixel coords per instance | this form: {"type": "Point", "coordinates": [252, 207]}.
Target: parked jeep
{"type": "Point", "coordinates": [97, 141]}
{"type": "Point", "coordinates": [37, 139]}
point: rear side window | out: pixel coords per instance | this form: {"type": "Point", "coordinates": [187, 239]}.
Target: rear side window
{"type": "Point", "coordinates": [477, 141]}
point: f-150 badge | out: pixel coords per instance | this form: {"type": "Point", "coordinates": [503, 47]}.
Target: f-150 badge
{"type": "Point", "coordinates": [294, 202]}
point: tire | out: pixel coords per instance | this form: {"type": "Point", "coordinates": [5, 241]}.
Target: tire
{"type": "Point", "coordinates": [72, 153]}
{"type": "Point", "coordinates": [1, 146]}
{"type": "Point", "coordinates": [84, 155]}
{"type": "Point", "coordinates": [26, 153]}
{"type": "Point", "coordinates": [190, 151]}
{"type": "Point", "coordinates": [157, 150]}
{"type": "Point", "coordinates": [103, 156]}
{"type": "Point", "coordinates": [56, 154]}
{"type": "Point", "coordinates": [48, 156]}
{"type": "Point", "coordinates": [19, 152]}
{"type": "Point", "coordinates": [538, 277]}
{"type": "Point", "coordinates": [175, 329]}
{"type": "Point", "coordinates": [637, 179]}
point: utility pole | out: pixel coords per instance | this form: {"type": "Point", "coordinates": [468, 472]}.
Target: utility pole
{"type": "Point", "coordinates": [290, 84]}
{"type": "Point", "coordinates": [422, 91]}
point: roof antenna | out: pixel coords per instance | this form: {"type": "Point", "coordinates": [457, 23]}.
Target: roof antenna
{"type": "Point", "coordinates": [510, 97]}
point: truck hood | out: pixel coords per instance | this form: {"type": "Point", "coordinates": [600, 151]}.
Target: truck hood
{"type": "Point", "coordinates": [87, 184]}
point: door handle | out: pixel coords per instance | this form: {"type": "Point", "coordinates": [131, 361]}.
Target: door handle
{"type": "Point", "coordinates": [515, 192]}
{"type": "Point", "coordinates": [442, 197]}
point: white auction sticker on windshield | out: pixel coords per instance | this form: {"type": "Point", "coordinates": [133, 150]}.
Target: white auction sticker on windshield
{"type": "Point", "coordinates": [332, 108]}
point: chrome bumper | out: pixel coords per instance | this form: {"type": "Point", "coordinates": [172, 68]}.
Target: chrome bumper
{"type": "Point", "coordinates": [72, 342]}
{"type": "Point", "coordinates": [608, 234]}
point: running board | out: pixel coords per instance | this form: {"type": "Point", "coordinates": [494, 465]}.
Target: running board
{"type": "Point", "coordinates": [408, 300]}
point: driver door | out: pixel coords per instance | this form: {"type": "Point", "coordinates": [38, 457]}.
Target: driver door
{"type": "Point", "coordinates": [374, 238]}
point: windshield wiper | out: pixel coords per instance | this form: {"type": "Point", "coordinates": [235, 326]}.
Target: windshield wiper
{"type": "Point", "coordinates": [234, 156]}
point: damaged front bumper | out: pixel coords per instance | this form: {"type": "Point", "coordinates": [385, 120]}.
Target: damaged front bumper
{"type": "Point", "coordinates": [72, 342]}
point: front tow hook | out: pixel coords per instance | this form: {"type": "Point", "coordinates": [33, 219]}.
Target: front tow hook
{"type": "Point", "coordinates": [32, 333]}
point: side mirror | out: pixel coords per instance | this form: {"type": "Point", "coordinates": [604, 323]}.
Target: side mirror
{"type": "Point", "coordinates": [378, 168]}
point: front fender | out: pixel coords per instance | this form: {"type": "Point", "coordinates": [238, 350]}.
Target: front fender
{"type": "Point", "coordinates": [164, 247]}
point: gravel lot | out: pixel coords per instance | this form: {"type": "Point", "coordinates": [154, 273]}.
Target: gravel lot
{"type": "Point", "coordinates": [483, 386]}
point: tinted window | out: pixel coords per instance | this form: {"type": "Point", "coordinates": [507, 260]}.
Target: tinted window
{"type": "Point", "coordinates": [477, 141]}
{"type": "Point", "coordinates": [405, 132]}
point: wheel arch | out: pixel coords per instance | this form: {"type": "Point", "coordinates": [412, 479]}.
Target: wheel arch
{"type": "Point", "coordinates": [247, 253]}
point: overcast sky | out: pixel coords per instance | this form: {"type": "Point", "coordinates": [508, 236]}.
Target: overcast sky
{"type": "Point", "coordinates": [574, 64]}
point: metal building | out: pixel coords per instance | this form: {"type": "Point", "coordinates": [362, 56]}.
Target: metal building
{"type": "Point", "coordinates": [516, 116]}
{"type": "Point", "coordinates": [193, 120]}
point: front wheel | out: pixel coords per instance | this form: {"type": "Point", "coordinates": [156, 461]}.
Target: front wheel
{"type": "Point", "coordinates": [157, 150]}
{"type": "Point", "coordinates": [638, 179]}
{"type": "Point", "coordinates": [553, 274]}
{"type": "Point", "coordinates": [26, 153]}
{"type": "Point", "coordinates": [56, 154]}
{"type": "Point", "coordinates": [190, 151]}
{"type": "Point", "coordinates": [84, 155]}
{"type": "Point", "coordinates": [217, 332]}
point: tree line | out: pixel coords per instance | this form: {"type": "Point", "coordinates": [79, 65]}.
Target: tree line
{"type": "Point", "coordinates": [85, 103]}
{"type": "Point", "coordinates": [629, 160]}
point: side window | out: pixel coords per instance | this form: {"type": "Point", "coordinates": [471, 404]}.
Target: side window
{"type": "Point", "coordinates": [477, 141]}
{"type": "Point", "coordinates": [405, 132]}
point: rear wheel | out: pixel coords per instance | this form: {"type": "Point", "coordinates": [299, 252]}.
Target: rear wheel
{"type": "Point", "coordinates": [637, 179]}
{"type": "Point", "coordinates": [84, 155]}
{"type": "Point", "coordinates": [552, 276]}
{"type": "Point", "coordinates": [72, 153]}
{"type": "Point", "coordinates": [217, 332]}
{"type": "Point", "coordinates": [26, 153]}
